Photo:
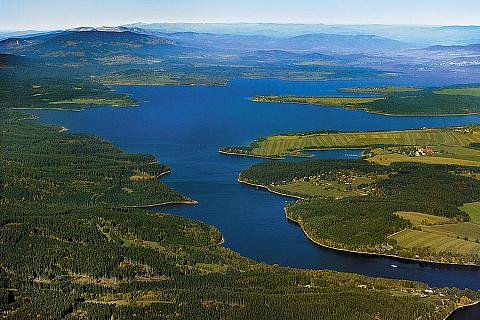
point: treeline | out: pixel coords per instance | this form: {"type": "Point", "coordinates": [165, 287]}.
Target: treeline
{"type": "Point", "coordinates": [280, 172]}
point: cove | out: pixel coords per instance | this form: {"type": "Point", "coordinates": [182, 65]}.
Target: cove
{"type": "Point", "coordinates": [185, 126]}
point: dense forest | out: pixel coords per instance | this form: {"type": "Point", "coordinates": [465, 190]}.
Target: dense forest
{"type": "Point", "coordinates": [364, 223]}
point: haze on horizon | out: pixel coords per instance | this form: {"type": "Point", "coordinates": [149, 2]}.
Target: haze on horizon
{"type": "Point", "coordinates": [60, 14]}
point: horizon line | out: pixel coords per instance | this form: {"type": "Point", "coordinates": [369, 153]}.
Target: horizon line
{"type": "Point", "coordinates": [247, 23]}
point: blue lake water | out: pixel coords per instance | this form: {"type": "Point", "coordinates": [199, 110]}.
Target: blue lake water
{"type": "Point", "coordinates": [185, 126]}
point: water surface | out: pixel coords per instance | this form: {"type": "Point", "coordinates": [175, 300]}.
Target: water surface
{"type": "Point", "coordinates": [185, 126]}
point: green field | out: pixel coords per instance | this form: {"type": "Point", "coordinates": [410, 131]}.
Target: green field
{"type": "Point", "coordinates": [459, 91]}
{"type": "Point", "coordinates": [325, 188]}
{"type": "Point", "coordinates": [397, 100]}
{"type": "Point", "coordinates": [296, 144]}
{"type": "Point", "coordinates": [462, 156]}
{"type": "Point", "coordinates": [473, 210]}
{"type": "Point", "coordinates": [439, 234]}
{"type": "Point", "coordinates": [95, 102]}
{"type": "Point", "coordinates": [380, 90]}
{"type": "Point", "coordinates": [324, 101]}
{"type": "Point", "coordinates": [418, 219]}
{"type": "Point", "coordinates": [414, 239]}
{"type": "Point", "coordinates": [463, 230]}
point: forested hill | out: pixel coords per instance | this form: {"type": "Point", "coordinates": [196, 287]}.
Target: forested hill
{"type": "Point", "coordinates": [69, 249]}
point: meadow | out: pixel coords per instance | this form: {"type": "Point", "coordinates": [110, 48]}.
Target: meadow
{"type": "Point", "coordinates": [299, 143]}
{"type": "Point", "coordinates": [398, 100]}
{"type": "Point", "coordinates": [439, 234]}
{"type": "Point", "coordinates": [380, 90]}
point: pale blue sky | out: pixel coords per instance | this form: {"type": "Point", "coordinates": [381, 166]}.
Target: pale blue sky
{"type": "Point", "coordinates": [55, 14]}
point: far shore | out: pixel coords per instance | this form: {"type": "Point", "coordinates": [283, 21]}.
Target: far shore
{"type": "Point", "coordinates": [306, 155]}
{"type": "Point", "coordinates": [373, 111]}
{"type": "Point", "coordinates": [126, 83]}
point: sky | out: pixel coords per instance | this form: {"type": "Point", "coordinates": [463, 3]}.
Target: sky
{"type": "Point", "coordinates": [61, 14]}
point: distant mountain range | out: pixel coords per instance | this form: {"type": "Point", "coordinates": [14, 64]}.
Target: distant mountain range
{"type": "Point", "coordinates": [318, 42]}
{"type": "Point", "coordinates": [133, 45]}
{"type": "Point", "coordinates": [419, 36]}
{"type": "Point", "coordinates": [472, 48]}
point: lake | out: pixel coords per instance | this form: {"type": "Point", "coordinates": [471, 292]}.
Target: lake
{"type": "Point", "coordinates": [185, 126]}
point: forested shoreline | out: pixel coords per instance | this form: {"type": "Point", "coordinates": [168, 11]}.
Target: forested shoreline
{"type": "Point", "coordinates": [365, 222]}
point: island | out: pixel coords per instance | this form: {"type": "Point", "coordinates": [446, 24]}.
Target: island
{"type": "Point", "coordinates": [398, 101]}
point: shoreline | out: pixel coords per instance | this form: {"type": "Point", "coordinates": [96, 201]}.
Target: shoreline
{"type": "Point", "coordinates": [347, 250]}
{"type": "Point", "coordinates": [133, 84]}
{"type": "Point", "coordinates": [155, 205]}
{"type": "Point", "coordinates": [268, 189]}
{"type": "Point", "coordinates": [373, 253]}
{"type": "Point", "coordinates": [461, 307]}
{"type": "Point", "coordinates": [306, 156]}
{"type": "Point", "coordinates": [249, 155]}
{"type": "Point", "coordinates": [373, 111]}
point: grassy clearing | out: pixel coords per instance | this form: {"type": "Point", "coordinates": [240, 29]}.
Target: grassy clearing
{"type": "Point", "coordinates": [324, 188]}
{"type": "Point", "coordinates": [94, 101]}
{"type": "Point", "coordinates": [324, 101]}
{"type": "Point", "coordinates": [459, 91]}
{"type": "Point", "coordinates": [282, 145]}
{"type": "Point", "coordinates": [414, 239]}
{"type": "Point", "coordinates": [397, 100]}
{"type": "Point", "coordinates": [455, 156]}
{"type": "Point", "coordinates": [462, 230]}
{"type": "Point", "coordinates": [380, 90]}
{"type": "Point", "coordinates": [473, 210]}
{"type": "Point", "coordinates": [439, 234]}
{"type": "Point", "coordinates": [418, 219]}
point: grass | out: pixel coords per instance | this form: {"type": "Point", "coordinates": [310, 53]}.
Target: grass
{"type": "Point", "coordinates": [397, 100]}
{"type": "Point", "coordinates": [451, 155]}
{"type": "Point", "coordinates": [282, 145]}
{"type": "Point", "coordinates": [461, 230]}
{"type": "Point", "coordinates": [324, 188]}
{"type": "Point", "coordinates": [95, 101]}
{"type": "Point", "coordinates": [439, 234]}
{"type": "Point", "coordinates": [380, 90]}
{"type": "Point", "coordinates": [459, 91]}
{"type": "Point", "coordinates": [473, 210]}
{"type": "Point", "coordinates": [324, 101]}
{"type": "Point", "coordinates": [419, 219]}
{"type": "Point", "coordinates": [413, 239]}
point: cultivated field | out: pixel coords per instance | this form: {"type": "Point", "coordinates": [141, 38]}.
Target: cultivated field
{"type": "Point", "coordinates": [324, 101]}
{"type": "Point", "coordinates": [473, 210]}
{"type": "Point", "coordinates": [380, 90]}
{"type": "Point", "coordinates": [282, 145]}
{"type": "Point", "coordinates": [459, 91]}
{"type": "Point", "coordinates": [323, 188]}
{"type": "Point", "coordinates": [439, 234]}
{"type": "Point", "coordinates": [455, 156]}
{"type": "Point", "coordinates": [418, 219]}
{"type": "Point", "coordinates": [435, 242]}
